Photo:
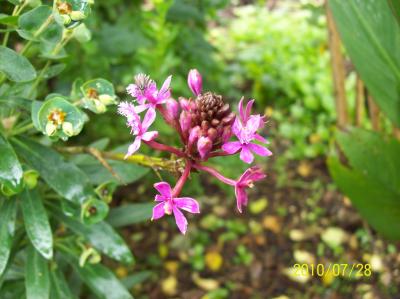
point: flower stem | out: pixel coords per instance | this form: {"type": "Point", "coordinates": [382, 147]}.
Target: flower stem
{"type": "Point", "coordinates": [165, 148]}
{"type": "Point", "coordinates": [181, 182]}
{"type": "Point", "coordinates": [215, 173]}
{"type": "Point", "coordinates": [220, 154]}
{"type": "Point", "coordinates": [7, 35]}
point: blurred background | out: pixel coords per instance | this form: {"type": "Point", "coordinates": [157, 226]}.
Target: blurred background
{"type": "Point", "coordinates": [277, 52]}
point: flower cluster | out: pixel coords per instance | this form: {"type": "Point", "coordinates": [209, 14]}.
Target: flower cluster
{"type": "Point", "coordinates": [205, 125]}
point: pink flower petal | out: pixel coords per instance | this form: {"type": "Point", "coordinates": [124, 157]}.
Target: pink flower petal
{"type": "Point", "coordinates": [164, 188]}
{"type": "Point", "coordinates": [246, 155]}
{"type": "Point", "coordinates": [187, 204]}
{"type": "Point", "coordinates": [133, 147]}
{"type": "Point", "coordinates": [141, 108]}
{"type": "Point", "coordinates": [165, 87]}
{"type": "Point", "coordinates": [241, 112]}
{"type": "Point", "coordinates": [241, 198]}
{"type": "Point", "coordinates": [237, 127]}
{"type": "Point", "coordinates": [231, 147]}
{"type": "Point", "coordinates": [204, 145]}
{"type": "Point", "coordinates": [158, 211]}
{"type": "Point", "coordinates": [149, 136]}
{"type": "Point", "coordinates": [159, 198]}
{"type": "Point", "coordinates": [180, 220]}
{"type": "Point", "coordinates": [259, 150]}
{"type": "Point", "coordinates": [149, 118]}
{"type": "Point", "coordinates": [260, 138]}
{"type": "Point", "coordinates": [253, 123]}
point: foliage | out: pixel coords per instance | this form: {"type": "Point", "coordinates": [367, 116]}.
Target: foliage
{"type": "Point", "coordinates": [286, 63]}
{"type": "Point", "coordinates": [372, 182]}
{"type": "Point", "coordinates": [53, 208]}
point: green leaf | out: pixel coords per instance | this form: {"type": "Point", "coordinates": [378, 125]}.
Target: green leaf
{"type": "Point", "coordinates": [10, 169]}
{"type": "Point", "coordinates": [15, 66]}
{"type": "Point", "coordinates": [130, 214]}
{"type": "Point", "coordinates": [8, 20]}
{"type": "Point", "coordinates": [372, 39]}
{"type": "Point", "coordinates": [59, 286]}
{"type": "Point", "coordinates": [37, 223]}
{"type": "Point", "coordinates": [101, 235]}
{"type": "Point", "coordinates": [54, 70]}
{"type": "Point", "coordinates": [30, 22]}
{"type": "Point", "coordinates": [64, 177]}
{"type": "Point", "coordinates": [373, 182]}
{"type": "Point", "coordinates": [37, 281]}
{"type": "Point", "coordinates": [7, 229]}
{"type": "Point", "coordinates": [137, 278]}
{"type": "Point", "coordinates": [101, 281]}
{"type": "Point", "coordinates": [395, 6]}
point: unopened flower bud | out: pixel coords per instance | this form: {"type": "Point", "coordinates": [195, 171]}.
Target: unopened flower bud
{"type": "Point", "coordinates": [195, 82]}
{"type": "Point", "coordinates": [185, 104]}
{"type": "Point", "coordinates": [77, 15]}
{"type": "Point", "coordinates": [171, 109]}
{"type": "Point", "coordinates": [30, 178]}
{"type": "Point", "coordinates": [100, 107]}
{"type": "Point", "coordinates": [91, 255]}
{"type": "Point", "coordinates": [226, 134]}
{"type": "Point", "coordinates": [212, 133]}
{"type": "Point", "coordinates": [50, 128]}
{"type": "Point", "coordinates": [204, 145]}
{"type": "Point", "coordinates": [66, 19]}
{"type": "Point", "coordinates": [106, 99]}
{"type": "Point", "coordinates": [194, 135]}
{"type": "Point", "coordinates": [68, 129]}
{"type": "Point", "coordinates": [185, 121]}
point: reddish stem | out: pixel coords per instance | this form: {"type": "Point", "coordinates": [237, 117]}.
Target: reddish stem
{"type": "Point", "coordinates": [166, 148]}
{"type": "Point", "coordinates": [181, 182]}
{"type": "Point", "coordinates": [215, 173]}
{"type": "Point", "coordinates": [220, 154]}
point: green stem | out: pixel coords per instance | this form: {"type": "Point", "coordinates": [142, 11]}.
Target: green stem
{"type": "Point", "coordinates": [23, 129]}
{"type": "Point", "coordinates": [37, 33]}
{"type": "Point", "coordinates": [7, 35]}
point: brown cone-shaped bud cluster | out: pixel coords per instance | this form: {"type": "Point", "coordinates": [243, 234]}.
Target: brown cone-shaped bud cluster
{"type": "Point", "coordinates": [213, 116]}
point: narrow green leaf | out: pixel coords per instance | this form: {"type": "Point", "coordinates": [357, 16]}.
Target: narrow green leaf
{"type": "Point", "coordinates": [10, 169]}
{"type": "Point", "coordinates": [137, 278]}
{"type": "Point", "coordinates": [37, 281]}
{"type": "Point", "coordinates": [101, 235]}
{"type": "Point", "coordinates": [37, 223]}
{"type": "Point", "coordinates": [8, 20]}
{"type": "Point", "coordinates": [101, 281]}
{"type": "Point", "coordinates": [7, 229]}
{"type": "Point", "coordinates": [15, 66]}
{"type": "Point", "coordinates": [129, 214]}
{"type": "Point", "coordinates": [59, 286]}
{"type": "Point", "coordinates": [64, 177]}
{"type": "Point", "coordinates": [372, 39]}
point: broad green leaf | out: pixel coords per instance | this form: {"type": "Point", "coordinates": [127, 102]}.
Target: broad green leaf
{"type": "Point", "coordinates": [59, 286]}
{"type": "Point", "coordinates": [37, 223]}
{"type": "Point", "coordinates": [395, 6]}
{"type": "Point", "coordinates": [37, 282]}
{"type": "Point", "coordinates": [373, 181]}
{"type": "Point", "coordinates": [54, 70]}
{"type": "Point", "coordinates": [130, 214]}
{"type": "Point", "coordinates": [101, 281]}
{"type": "Point", "coordinates": [380, 206]}
{"type": "Point", "coordinates": [64, 177]}
{"type": "Point", "coordinates": [8, 20]}
{"type": "Point", "coordinates": [372, 39]}
{"type": "Point", "coordinates": [15, 66]}
{"type": "Point", "coordinates": [7, 229]}
{"type": "Point", "coordinates": [101, 235]}
{"type": "Point", "coordinates": [10, 169]}
{"type": "Point", "coordinates": [30, 22]}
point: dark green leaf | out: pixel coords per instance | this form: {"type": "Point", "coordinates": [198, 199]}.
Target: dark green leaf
{"type": "Point", "coordinates": [101, 281]}
{"type": "Point", "coordinates": [59, 286]}
{"type": "Point", "coordinates": [372, 39]}
{"type": "Point", "coordinates": [129, 214]}
{"type": "Point", "coordinates": [10, 169]}
{"type": "Point", "coordinates": [7, 229]}
{"type": "Point", "coordinates": [64, 177]}
{"type": "Point", "coordinates": [37, 281]}
{"type": "Point", "coordinates": [101, 235]}
{"type": "Point", "coordinates": [395, 6]}
{"type": "Point", "coordinates": [37, 223]}
{"type": "Point", "coordinates": [54, 70]}
{"type": "Point", "coordinates": [15, 66]}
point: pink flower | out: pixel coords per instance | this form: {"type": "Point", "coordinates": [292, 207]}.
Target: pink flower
{"type": "Point", "coordinates": [246, 134]}
{"type": "Point", "coordinates": [146, 92]}
{"type": "Point", "coordinates": [138, 128]}
{"type": "Point", "coordinates": [245, 114]}
{"type": "Point", "coordinates": [195, 82]}
{"type": "Point", "coordinates": [246, 180]}
{"type": "Point", "coordinates": [172, 205]}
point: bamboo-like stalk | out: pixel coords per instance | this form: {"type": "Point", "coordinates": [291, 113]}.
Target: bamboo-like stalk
{"type": "Point", "coordinates": [338, 69]}
{"type": "Point", "coordinates": [374, 114]}
{"type": "Point", "coordinates": [360, 101]}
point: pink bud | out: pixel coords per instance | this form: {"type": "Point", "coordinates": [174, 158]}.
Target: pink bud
{"type": "Point", "coordinates": [171, 109]}
{"type": "Point", "coordinates": [195, 81]}
{"type": "Point", "coordinates": [226, 134]}
{"type": "Point", "coordinates": [204, 145]}
{"type": "Point", "coordinates": [185, 104]}
{"type": "Point", "coordinates": [194, 134]}
{"type": "Point", "coordinates": [185, 121]}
